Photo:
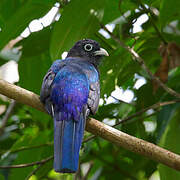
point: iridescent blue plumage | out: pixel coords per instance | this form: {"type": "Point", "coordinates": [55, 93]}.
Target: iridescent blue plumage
{"type": "Point", "coordinates": [70, 91]}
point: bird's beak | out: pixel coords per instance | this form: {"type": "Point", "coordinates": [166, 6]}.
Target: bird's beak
{"type": "Point", "coordinates": [101, 52]}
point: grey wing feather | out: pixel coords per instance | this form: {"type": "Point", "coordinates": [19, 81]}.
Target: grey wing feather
{"type": "Point", "coordinates": [45, 91]}
{"type": "Point", "coordinates": [46, 85]}
{"type": "Point", "coordinates": [94, 96]}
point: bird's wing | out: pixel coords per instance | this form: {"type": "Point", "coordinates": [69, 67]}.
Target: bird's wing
{"type": "Point", "coordinates": [94, 96]}
{"type": "Point", "coordinates": [47, 84]}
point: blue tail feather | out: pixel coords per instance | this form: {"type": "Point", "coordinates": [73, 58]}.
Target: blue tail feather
{"type": "Point", "coordinates": [68, 135]}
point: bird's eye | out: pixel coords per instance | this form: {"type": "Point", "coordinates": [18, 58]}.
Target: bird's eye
{"type": "Point", "coordinates": [88, 47]}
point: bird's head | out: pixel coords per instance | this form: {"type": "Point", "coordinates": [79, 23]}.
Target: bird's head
{"type": "Point", "coordinates": [89, 50]}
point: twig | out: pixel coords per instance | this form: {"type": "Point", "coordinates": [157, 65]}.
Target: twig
{"type": "Point", "coordinates": [111, 134]}
{"type": "Point", "coordinates": [7, 115]}
{"type": "Point", "coordinates": [23, 148]}
{"type": "Point", "coordinates": [28, 164]}
{"type": "Point", "coordinates": [154, 106]}
{"type": "Point", "coordinates": [142, 63]}
{"type": "Point", "coordinates": [150, 115]}
{"type": "Point", "coordinates": [89, 138]}
{"type": "Point", "coordinates": [156, 28]}
{"type": "Point", "coordinates": [31, 147]}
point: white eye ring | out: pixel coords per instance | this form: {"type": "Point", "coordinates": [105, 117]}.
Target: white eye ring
{"type": "Point", "coordinates": [88, 47]}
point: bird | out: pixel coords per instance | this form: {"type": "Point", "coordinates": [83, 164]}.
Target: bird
{"type": "Point", "coordinates": [70, 92]}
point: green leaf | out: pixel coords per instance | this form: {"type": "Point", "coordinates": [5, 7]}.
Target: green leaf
{"type": "Point", "coordinates": [31, 138]}
{"type": "Point", "coordinates": [77, 22]}
{"type": "Point", "coordinates": [164, 117]}
{"type": "Point", "coordinates": [111, 70]}
{"type": "Point", "coordinates": [111, 11]}
{"type": "Point", "coordinates": [22, 17]}
{"type": "Point", "coordinates": [2, 177]}
{"type": "Point", "coordinates": [124, 6]}
{"type": "Point", "coordinates": [146, 97]}
{"type": "Point", "coordinates": [126, 75]}
{"type": "Point", "coordinates": [169, 11]}
{"type": "Point", "coordinates": [170, 142]}
{"type": "Point", "coordinates": [32, 70]}
{"type": "Point", "coordinates": [11, 6]}
{"type": "Point", "coordinates": [36, 43]}
{"type": "Point", "coordinates": [147, 45]}
{"type": "Point", "coordinates": [173, 79]}
{"type": "Point", "coordinates": [8, 8]}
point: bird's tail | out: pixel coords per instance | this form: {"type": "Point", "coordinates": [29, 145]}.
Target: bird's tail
{"type": "Point", "coordinates": [68, 135]}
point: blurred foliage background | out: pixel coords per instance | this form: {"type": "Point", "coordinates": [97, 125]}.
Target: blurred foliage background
{"type": "Point", "coordinates": [150, 27]}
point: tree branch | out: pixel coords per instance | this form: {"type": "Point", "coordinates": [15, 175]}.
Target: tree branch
{"type": "Point", "coordinates": [21, 95]}
{"type": "Point", "coordinates": [154, 106]}
{"type": "Point", "coordinates": [98, 128]}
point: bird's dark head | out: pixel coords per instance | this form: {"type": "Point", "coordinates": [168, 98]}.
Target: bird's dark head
{"type": "Point", "coordinates": [89, 50]}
